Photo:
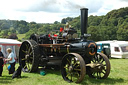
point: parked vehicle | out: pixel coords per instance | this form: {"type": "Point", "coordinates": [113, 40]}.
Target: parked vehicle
{"type": "Point", "coordinates": [75, 56]}
{"type": "Point", "coordinates": [114, 49]}
{"type": "Point", "coordinates": [104, 48]}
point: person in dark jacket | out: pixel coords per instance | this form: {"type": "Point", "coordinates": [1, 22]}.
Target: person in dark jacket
{"type": "Point", "coordinates": [1, 62]}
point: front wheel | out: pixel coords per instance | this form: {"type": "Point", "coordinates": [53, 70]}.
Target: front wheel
{"type": "Point", "coordinates": [73, 68]}
{"type": "Point", "coordinates": [101, 68]}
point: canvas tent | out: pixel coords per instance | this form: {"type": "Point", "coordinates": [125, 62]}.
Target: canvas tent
{"type": "Point", "coordinates": [9, 43]}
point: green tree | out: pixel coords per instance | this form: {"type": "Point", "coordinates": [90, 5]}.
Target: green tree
{"type": "Point", "coordinates": [63, 21]}
{"type": "Point", "coordinates": [122, 33]}
{"type": "Point", "coordinates": [56, 22]}
{"type": "Point", "coordinates": [95, 33]}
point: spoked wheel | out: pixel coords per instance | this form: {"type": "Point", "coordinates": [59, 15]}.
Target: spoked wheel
{"type": "Point", "coordinates": [73, 68]}
{"type": "Point", "coordinates": [101, 66]}
{"type": "Point", "coordinates": [29, 56]}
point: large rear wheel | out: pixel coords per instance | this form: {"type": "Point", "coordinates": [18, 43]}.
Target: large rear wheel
{"type": "Point", "coordinates": [29, 56]}
{"type": "Point", "coordinates": [73, 68]}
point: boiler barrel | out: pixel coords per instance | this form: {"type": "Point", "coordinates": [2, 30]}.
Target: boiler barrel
{"type": "Point", "coordinates": [75, 48]}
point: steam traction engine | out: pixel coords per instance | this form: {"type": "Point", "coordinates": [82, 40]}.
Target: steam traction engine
{"type": "Point", "coordinates": [76, 56]}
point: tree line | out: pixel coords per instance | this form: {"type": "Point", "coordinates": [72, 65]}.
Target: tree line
{"type": "Point", "coordinates": [112, 26]}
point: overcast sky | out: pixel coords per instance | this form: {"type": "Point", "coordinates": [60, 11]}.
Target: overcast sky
{"type": "Point", "coordinates": [48, 11]}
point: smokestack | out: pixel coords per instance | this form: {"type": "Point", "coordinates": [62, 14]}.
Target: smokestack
{"type": "Point", "coordinates": [84, 20]}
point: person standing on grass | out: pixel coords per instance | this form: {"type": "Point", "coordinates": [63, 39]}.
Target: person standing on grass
{"type": "Point", "coordinates": [12, 60]}
{"type": "Point", "coordinates": [1, 62]}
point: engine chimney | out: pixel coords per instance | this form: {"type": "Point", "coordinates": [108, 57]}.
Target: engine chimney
{"type": "Point", "coordinates": [84, 20]}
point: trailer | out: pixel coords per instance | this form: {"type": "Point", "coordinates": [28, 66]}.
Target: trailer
{"type": "Point", "coordinates": [113, 49]}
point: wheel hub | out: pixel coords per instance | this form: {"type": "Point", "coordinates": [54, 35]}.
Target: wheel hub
{"type": "Point", "coordinates": [100, 67]}
{"type": "Point", "coordinates": [97, 67]}
{"type": "Point", "coordinates": [70, 68]}
{"type": "Point", "coordinates": [27, 57]}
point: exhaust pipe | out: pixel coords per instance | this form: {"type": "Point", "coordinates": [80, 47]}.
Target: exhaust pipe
{"type": "Point", "coordinates": [84, 22]}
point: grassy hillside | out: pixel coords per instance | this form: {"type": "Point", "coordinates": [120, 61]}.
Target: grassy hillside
{"type": "Point", "coordinates": [20, 36]}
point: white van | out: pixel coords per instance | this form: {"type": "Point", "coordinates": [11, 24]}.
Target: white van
{"type": "Point", "coordinates": [114, 49]}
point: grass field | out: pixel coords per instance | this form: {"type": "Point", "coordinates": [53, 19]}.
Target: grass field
{"type": "Point", "coordinates": [118, 76]}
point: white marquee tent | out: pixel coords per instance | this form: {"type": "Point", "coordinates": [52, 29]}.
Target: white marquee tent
{"type": "Point", "coordinates": [9, 43]}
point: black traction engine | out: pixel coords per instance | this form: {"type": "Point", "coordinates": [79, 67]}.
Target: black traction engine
{"type": "Point", "coordinates": [75, 56]}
